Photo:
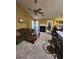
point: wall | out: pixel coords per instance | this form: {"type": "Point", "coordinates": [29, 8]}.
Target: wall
{"type": "Point", "coordinates": [57, 19]}
{"type": "Point", "coordinates": [21, 13]}
{"type": "Point", "coordinates": [42, 21]}
{"type": "Point", "coordinates": [54, 21]}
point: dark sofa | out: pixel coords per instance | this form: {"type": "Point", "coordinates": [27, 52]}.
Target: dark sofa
{"type": "Point", "coordinates": [25, 34]}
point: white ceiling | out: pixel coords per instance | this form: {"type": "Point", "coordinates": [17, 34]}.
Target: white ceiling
{"type": "Point", "coordinates": [51, 8]}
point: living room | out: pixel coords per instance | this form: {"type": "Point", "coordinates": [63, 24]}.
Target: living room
{"type": "Point", "coordinates": [42, 25]}
{"type": "Point", "coordinates": [20, 19]}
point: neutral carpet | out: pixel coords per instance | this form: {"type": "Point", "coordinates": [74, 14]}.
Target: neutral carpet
{"type": "Point", "coordinates": [26, 50]}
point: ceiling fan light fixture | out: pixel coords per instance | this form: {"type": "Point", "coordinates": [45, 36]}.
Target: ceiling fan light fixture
{"type": "Point", "coordinates": [36, 11]}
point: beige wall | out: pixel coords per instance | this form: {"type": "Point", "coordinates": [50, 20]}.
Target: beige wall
{"type": "Point", "coordinates": [57, 19]}
{"type": "Point", "coordinates": [54, 20]}
{"type": "Point", "coordinates": [42, 21]}
{"type": "Point", "coordinates": [21, 13]}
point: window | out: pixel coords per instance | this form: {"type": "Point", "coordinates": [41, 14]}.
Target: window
{"type": "Point", "coordinates": [35, 25]}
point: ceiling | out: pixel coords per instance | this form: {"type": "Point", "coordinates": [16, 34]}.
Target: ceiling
{"type": "Point", "coordinates": [51, 8]}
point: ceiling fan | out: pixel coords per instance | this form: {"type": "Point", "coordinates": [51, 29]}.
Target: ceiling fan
{"type": "Point", "coordinates": [36, 11]}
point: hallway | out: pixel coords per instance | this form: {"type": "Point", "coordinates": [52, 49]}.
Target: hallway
{"type": "Point", "coordinates": [26, 50]}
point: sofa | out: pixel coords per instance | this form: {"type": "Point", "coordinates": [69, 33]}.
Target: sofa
{"type": "Point", "coordinates": [25, 34]}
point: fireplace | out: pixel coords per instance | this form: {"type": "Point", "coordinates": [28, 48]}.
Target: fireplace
{"type": "Point", "coordinates": [42, 28]}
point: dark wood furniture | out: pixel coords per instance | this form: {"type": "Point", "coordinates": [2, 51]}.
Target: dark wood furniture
{"type": "Point", "coordinates": [25, 34]}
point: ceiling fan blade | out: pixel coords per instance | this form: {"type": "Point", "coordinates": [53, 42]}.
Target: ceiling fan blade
{"type": "Point", "coordinates": [30, 9]}
{"type": "Point", "coordinates": [40, 12]}
{"type": "Point", "coordinates": [39, 9]}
